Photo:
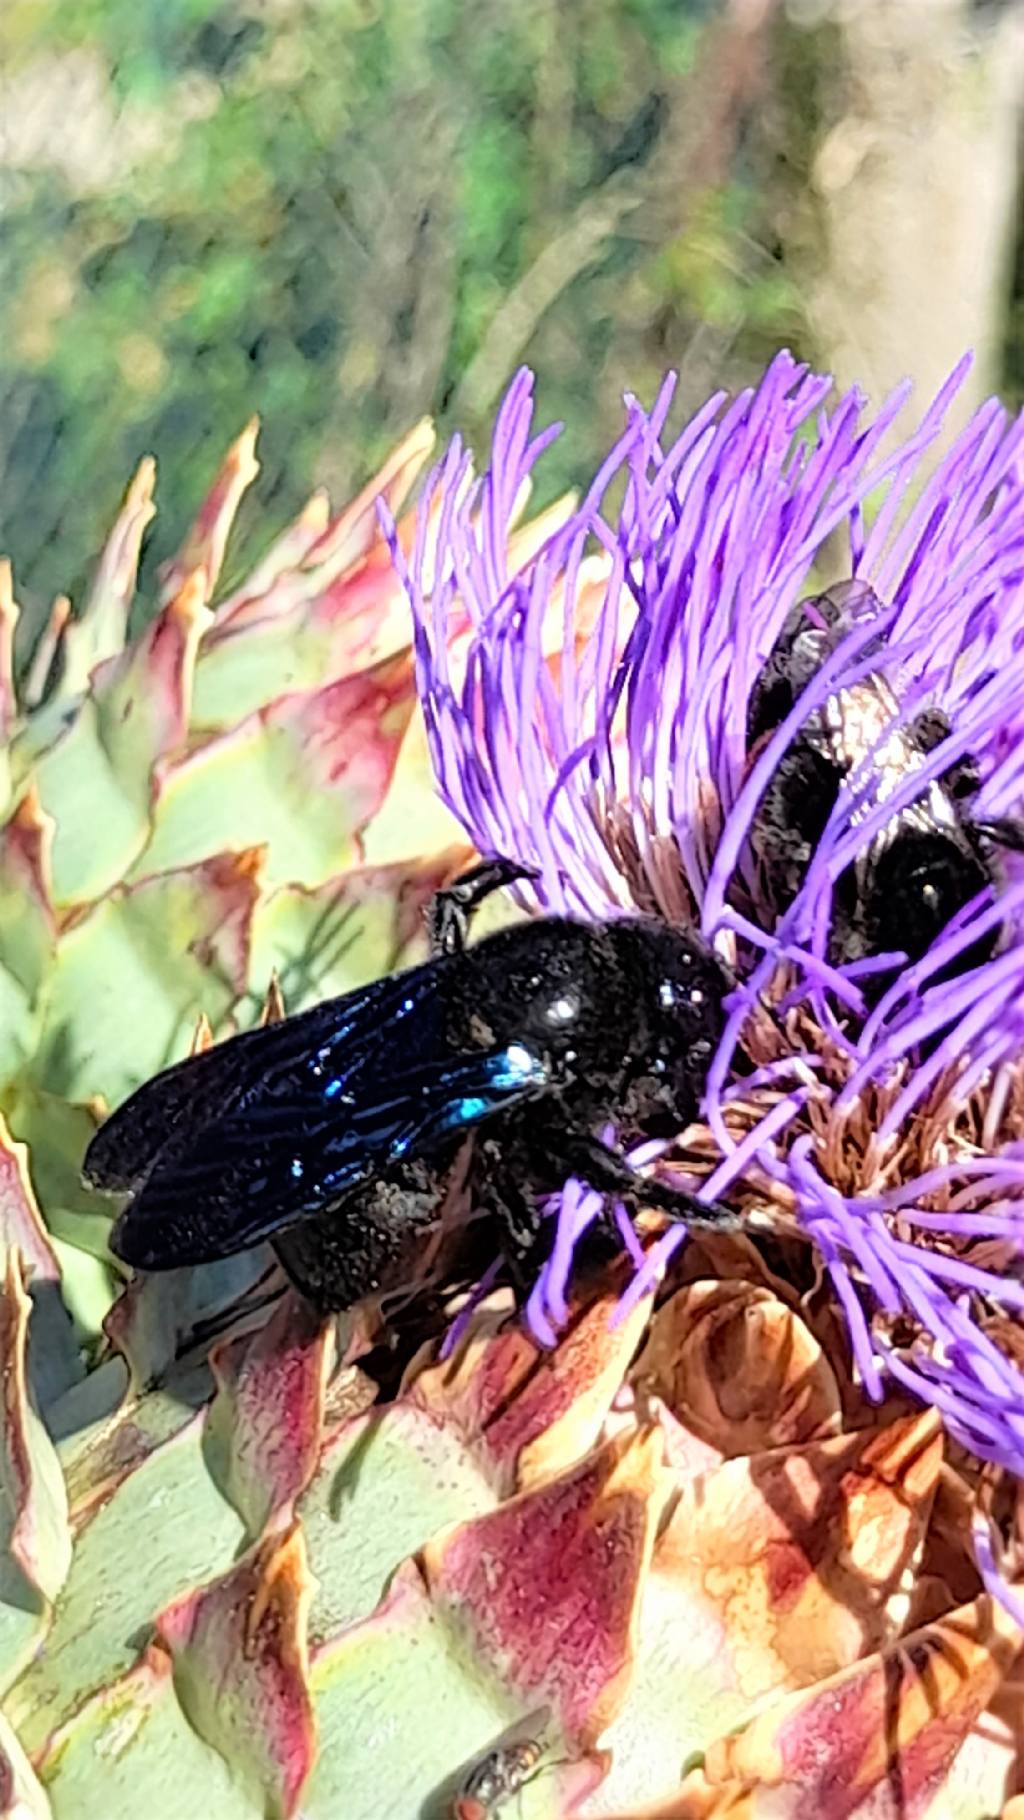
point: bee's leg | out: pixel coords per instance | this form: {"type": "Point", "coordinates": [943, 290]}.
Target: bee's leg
{"type": "Point", "coordinates": [791, 819]}
{"type": "Point", "coordinates": [605, 1169]}
{"type": "Point", "coordinates": [928, 730]}
{"type": "Point", "coordinates": [452, 909]}
{"type": "Point", "coordinates": [499, 1188]}
{"type": "Point", "coordinates": [520, 1222]}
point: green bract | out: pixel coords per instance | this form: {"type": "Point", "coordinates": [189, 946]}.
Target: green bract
{"type": "Point", "coordinates": [191, 810]}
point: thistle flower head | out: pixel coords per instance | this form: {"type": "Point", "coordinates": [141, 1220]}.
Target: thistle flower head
{"type": "Point", "coordinates": [590, 718]}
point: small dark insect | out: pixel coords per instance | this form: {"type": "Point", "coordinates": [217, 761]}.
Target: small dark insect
{"type": "Point", "coordinates": [337, 1133]}
{"type": "Point", "coordinates": [930, 860]}
{"type": "Point", "coordinates": [496, 1778]}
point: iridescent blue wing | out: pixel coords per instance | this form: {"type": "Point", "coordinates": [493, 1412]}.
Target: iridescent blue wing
{"type": "Point", "coordinates": [316, 1045]}
{"type": "Point", "coordinates": [268, 1166]}
{"type": "Point", "coordinates": [311, 1109]}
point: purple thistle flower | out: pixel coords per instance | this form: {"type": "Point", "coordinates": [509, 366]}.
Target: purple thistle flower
{"type": "Point", "coordinates": [592, 722]}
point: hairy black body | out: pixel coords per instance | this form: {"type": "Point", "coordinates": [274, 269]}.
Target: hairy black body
{"type": "Point", "coordinates": [930, 859]}
{"type": "Point", "coordinates": [336, 1133]}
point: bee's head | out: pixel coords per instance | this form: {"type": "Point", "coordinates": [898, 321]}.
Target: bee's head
{"type": "Point", "coordinates": [906, 895]}
{"type": "Point", "coordinates": [676, 989]}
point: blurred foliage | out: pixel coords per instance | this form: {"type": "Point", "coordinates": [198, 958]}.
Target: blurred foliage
{"type": "Point", "coordinates": [346, 213]}
{"type": "Point", "coordinates": [1013, 386]}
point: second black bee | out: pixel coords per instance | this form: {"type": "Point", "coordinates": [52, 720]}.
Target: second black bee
{"type": "Point", "coordinates": [932, 857]}
{"type": "Point", "coordinates": [335, 1133]}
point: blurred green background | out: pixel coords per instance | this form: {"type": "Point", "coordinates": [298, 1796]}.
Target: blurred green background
{"type": "Point", "coordinates": [345, 213]}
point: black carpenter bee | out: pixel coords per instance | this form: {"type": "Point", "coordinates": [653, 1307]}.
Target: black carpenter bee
{"type": "Point", "coordinates": [496, 1778]}
{"type": "Point", "coordinates": [336, 1132]}
{"type": "Point", "coordinates": [931, 859]}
